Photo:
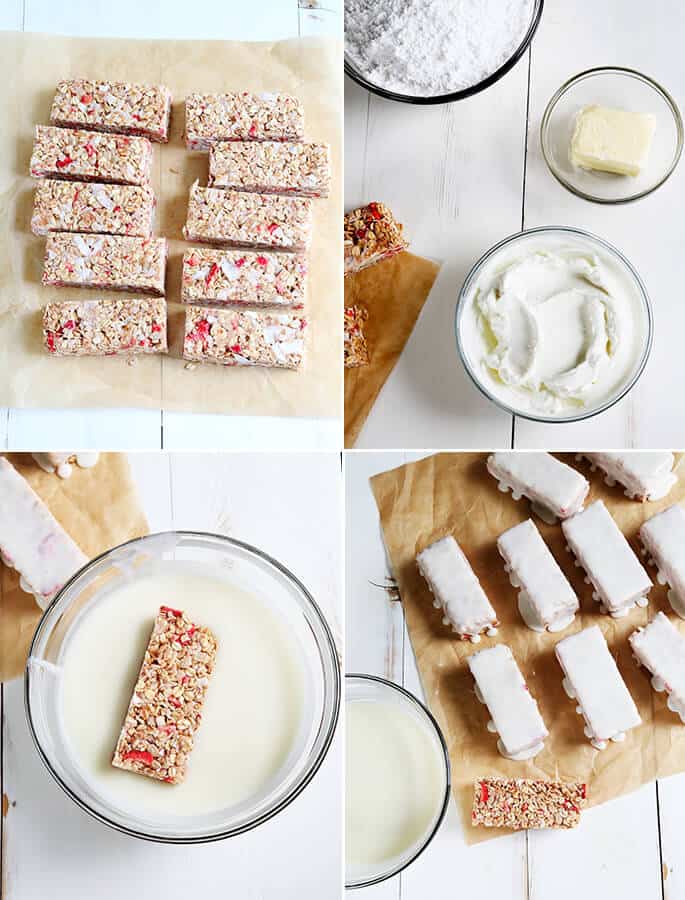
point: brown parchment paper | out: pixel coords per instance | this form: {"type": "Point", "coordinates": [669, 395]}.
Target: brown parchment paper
{"type": "Point", "coordinates": [98, 507]}
{"type": "Point", "coordinates": [393, 292]}
{"type": "Point", "coordinates": [311, 68]}
{"type": "Point", "coordinates": [454, 494]}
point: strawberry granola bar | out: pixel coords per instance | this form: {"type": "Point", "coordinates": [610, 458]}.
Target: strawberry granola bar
{"type": "Point", "coordinates": [267, 167]}
{"type": "Point", "coordinates": [105, 261]}
{"type": "Point", "coordinates": [371, 235]}
{"type": "Point", "coordinates": [243, 277]}
{"type": "Point", "coordinates": [525, 803]}
{"type": "Point", "coordinates": [240, 219]}
{"type": "Point", "coordinates": [356, 349]}
{"type": "Point", "coordinates": [166, 707]}
{"type": "Point", "coordinates": [244, 338]}
{"type": "Point", "coordinates": [90, 156]}
{"type": "Point", "coordinates": [242, 116]}
{"type": "Point", "coordinates": [139, 109]}
{"type": "Point", "coordinates": [105, 327]}
{"type": "Point", "coordinates": [92, 208]}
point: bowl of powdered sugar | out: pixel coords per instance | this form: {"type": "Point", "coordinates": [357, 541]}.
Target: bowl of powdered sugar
{"type": "Point", "coordinates": [435, 51]}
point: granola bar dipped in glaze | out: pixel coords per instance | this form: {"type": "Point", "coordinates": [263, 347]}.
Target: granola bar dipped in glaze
{"type": "Point", "coordinates": [646, 475]}
{"type": "Point", "coordinates": [527, 803]}
{"type": "Point", "coordinates": [556, 491]}
{"type": "Point", "coordinates": [371, 235]}
{"type": "Point", "coordinates": [242, 116]}
{"type": "Point", "coordinates": [105, 327]}
{"type": "Point", "coordinates": [242, 277]}
{"type": "Point", "coordinates": [138, 109]}
{"type": "Point", "coordinates": [90, 156]}
{"type": "Point", "coordinates": [356, 351]}
{"type": "Point", "coordinates": [663, 538]}
{"type": "Point", "coordinates": [268, 167]}
{"type": "Point", "coordinates": [660, 648]}
{"type": "Point", "coordinates": [92, 208]}
{"type": "Point", "coordinates": [165, 711]}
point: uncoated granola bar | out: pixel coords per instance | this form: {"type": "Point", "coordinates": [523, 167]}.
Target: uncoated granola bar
{"type": "Point", "coordinates": [267, 167]}
{"type": "Point", "coordinates": [140, 109]}
{"type": "Point", "coordinates": [105, 327]}
{"type": "Point", "coordinates": [90, 156]}
{"type": "Point", "coordinates": [356, 351]}
{"type": "Point", "coordinates": [371, 234]}
{"type": "Point", "coordinates": [92, 208]}
{"type": "Point", "coordinates": [110, 262]}
{"type": "Point", "coordinates": [244, 338]}
{"type": "Point", "coordinates": [243, 277]}
{"type": "Point", "coordinates": [166, 707]}
{"type": "Point", "coordinates": [242, 116]}
{"type": "Point", "coordinates": [525, 803]}
{"type": "Point", "coordinates": [240, 219]}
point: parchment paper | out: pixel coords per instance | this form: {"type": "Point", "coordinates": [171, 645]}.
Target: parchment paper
{"type": "Point", "coordinates": [454, 494]}
{"type": "Point", "coordinates": [393, 292]}
{"type": "Point", "coordinates": [311, 68]}
{"type": "Point", "coordinates": [98, 507]}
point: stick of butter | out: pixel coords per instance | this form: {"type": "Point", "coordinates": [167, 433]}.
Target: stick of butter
{"type": "Point", "coordinates": [612, 140]}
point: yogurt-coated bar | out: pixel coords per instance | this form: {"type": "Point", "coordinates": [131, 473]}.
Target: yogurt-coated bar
{"type": "Point", "coordinates": [62, 464]}
{"type": "Point", "coordinates": [268, 167]}
{"type": "Point", "coordinates": [660, 648]}
{"type": "Point", "coordinates": [527, 803]}
{"type": "Point", "coordinates": [90, 156]}
{"type": "Point", "coordinates": [165, 711]}
{"type": "Point", "coordinates": [591, 677]}
{"type": "Point", "coordinates": [546, 599]}
{"type": "Point", "coordinates": [456, 590]}
{"type": "Point", "coordinates": [645, 475]}
{"type": "Point", "coordinates": [556, 490]}
{"type": "Point", "coordinates": [371, 234]}
{"type": "Point", "coordinates": [138, 109]}
{"type": "Point", "coordinates": [92, 208]}
{"type": "Point", "coordinates": [242, 116]}
{"type": "Point", "coordinates": [243, 277]}
{"type": "Point", "coordinates": [235, 337]}
{"type": "Point", "coordinates": [239, 219]}
{"type": "Point", "coordinates": [105, 327]}
{"type": "Point", "coordinates": [104, 261]}
{"type": "Point", "coordinates": [616, 574]}
{"type": "Point", "coordinates": [515, 716]}
{"type": "Point", "coordinates": [663, 537]}
{"type": "Point", "coordinates": [32, 541]}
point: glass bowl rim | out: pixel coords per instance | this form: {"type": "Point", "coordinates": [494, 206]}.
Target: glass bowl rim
{"type": "Point", "coordinates": [327, 643]}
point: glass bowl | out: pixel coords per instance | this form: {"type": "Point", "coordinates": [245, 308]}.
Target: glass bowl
{"type": "Point", "coordinates": [506, 250]}
{"type": "Point", "coordinates": [372, 688]}
{"type": "Point", "coordinates": [356, 75]}
{"type": "Point", "coordinates": [620, 88]}
{"type": "Point", "coordinates": [242, 566]}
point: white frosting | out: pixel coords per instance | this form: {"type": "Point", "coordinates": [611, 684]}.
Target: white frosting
{"type": "Point", "coordinates": [660, 647]}
{"type": "Point", "coordinates": [555, 489]}
{"type": "Point", "coordinates": [645, 475]}
{"type": "Point", "coordinates": [664, 539]}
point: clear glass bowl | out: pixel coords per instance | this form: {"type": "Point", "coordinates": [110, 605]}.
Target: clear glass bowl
{"type": "Point", "coordinates": [495, 257]}
{"type": "Point", "coordinates": [619, 88]}
{"type": "Point", "coordinates": [357, 76]}
{"type": "Point", "coordinates": [239, 564]}
{"type": "Point", "coordinates": [373, 688]}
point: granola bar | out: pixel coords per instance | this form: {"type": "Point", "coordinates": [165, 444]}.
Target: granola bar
{"type": "Point", "coordinates": [244, 338]}
{"type": "Point", "coordinates": [90, 156]}
{"type": "Point", "coordinates": [660, 648]}
{"type": "Point", "coordinates": [140, 109]}
{"type": "Point", "coordinates": [243, 277]}
{"type": "Point", "coordinates": [240, 219]}
{"type": "Point", "coordinates": [105, 327]}
{"type": "Point", "coordinates": [92, 208]}
{"type": "Point", "coordinates": [527, 803]}
{"type": "Point", "coordinates": [356, 349]}
{"type": "Point", "coordinates": [371, 235]}
{"type": "Point", "coordinates": [166, 707]}
{"type": "Point", "coordinates": [110, 262]}
{"type": "Point", "coordinates": [242, 116]}
{"type": "Point", "coordinates": [302, 170]}
{"type": "Point", "coordinates": [645, 476]}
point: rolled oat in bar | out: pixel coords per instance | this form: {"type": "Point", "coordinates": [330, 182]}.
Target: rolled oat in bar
{"type": "Point", "coordinates": [166, 707]}
{"type": "Point", "coordinates": [244, 338]}
{"type": "Point", "coordinates": [242, 116]}
{"type": "Point", "coordinates": [302, 170]}
{"type": "Point", "coordinates": [240, 219]}
{"type": "Point", "coordinates": [371, 235]}
{"type": "Point", "coordinates": [90, 156]}
{"type": "Point", "coordinates": [243, 277]}
{"type": "Point", "coordinates": [140, 109]}
{"type": "Point", "coordinates": [525, 803]}
{"type": "Point", "coordinates": [105, 327]}
{"type": "Point", "coordinates": [109, 262]}
{"type": "Point", "coordinates": [92, 208]}
{"type": "Point", "coordinates": [356, 349]}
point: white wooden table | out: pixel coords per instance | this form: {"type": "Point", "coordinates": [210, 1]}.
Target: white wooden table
{"type": "Point", "coordinates": [465, 175]}
{"type": "Point", "coordinates": [149, 429]}
{"type": "Point", "coordinates": [51, 849]}
{"type": "Point", "coordinates": [630, 847]}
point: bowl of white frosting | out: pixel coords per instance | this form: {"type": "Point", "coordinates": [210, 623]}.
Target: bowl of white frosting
{"type": "Point", "coordinates": [554, 324]}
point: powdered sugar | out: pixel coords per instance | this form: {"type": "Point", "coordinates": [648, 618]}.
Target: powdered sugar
{"type": "Point", "coordinates": [429, 47]}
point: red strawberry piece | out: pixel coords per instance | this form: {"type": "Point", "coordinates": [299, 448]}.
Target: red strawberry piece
{"type": "Point", "coordinates": [63, 163]}
{"type": "Point", "coordinates": [50, 339]}
{"type": "Point", "coordinates": [175, 702]}
{"type": "Point", "coordinates": [373, 209]}
{"type": "Point", "coordinates": [235, 348]}
{"type": "Point", "coordinates": [192, 260]}
{"type": "Point", "coordinates": [583, 791]}
{"type": "Point", "coordinates": [273, 227]}
{"type": "Point", "coordinates": [69, 324]}
{"type": "Point", "coordinates": [185, 679]}
{"type": "Point", "coordinates": [143, 756]}
{"type": "Point", "coordinates": [116, 209]}
{"type": "Point", "coordinates": [69, 268]}
{"type": "Point", "coordinates": [90, 150]}
{"type": "Point", "coordinates": [484, 793]}
{"type": "Point", "coordinates": [169, 609]}
{"type": "Point", "coordinates": [262, 260]}
{"type": "Point", "coordinates": [169, 780]}
{"type": "Point", "coordinates": [211, 275]}
{"type": "Point", "coordinates": [361, 233]}
{"type": "Point", "coordinates": [240, 262]}
{"type": "Point", "coordinates": [136, 117]}
{"type": "Point", "coordinates": [253, 130]}
{"type": "Point", "coordinates": [156, 327]}
{"type": "Point", "coordinates": [86, 98]}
